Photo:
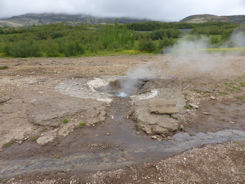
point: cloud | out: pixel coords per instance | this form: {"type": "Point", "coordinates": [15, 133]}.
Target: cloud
{"type": "Point", "coordinates": [157, 9]}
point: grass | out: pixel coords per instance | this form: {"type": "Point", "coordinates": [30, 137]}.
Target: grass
{"type": "Point", "coordinates": [240, 98]}
{"type": "Point", "coordinates": [2, 54]}
{"type": "Point", "coordinates": [82, 124]}
{"type": "Point", "coordinates": [114, 53]}
{"type": "Point", "coordinates": [233, 87]}
{"type": "Point", "coordinates": [223, 93]}
{"type": "Point", "coordinates": [238, 143]}
{"type": "Point", "coordinates": [34, 138]}
{"type": "Point", "coordinates": [242, 84]}
{"type": "Point", "coordinates": [65, 121]}
{"type": "Point", "coordinates": [224, 50]}
{"type": "Point", "coordinates": [8, 144]}
{"type": "Point", "coordinates": [185, 96]}
{"type": "Point", "coordinates": [188, 107]}
{"type": "Point", "coordinates": [4, 67]}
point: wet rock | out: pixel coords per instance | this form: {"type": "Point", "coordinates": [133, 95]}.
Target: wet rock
{"type": "Point", "coordinates": [162, 106]}
{"type": "Point", "coordinates": [194, 106]}
{"type": "Point", "coordinates": [181, 127]}
{"type": "Point", "coordinates": [47, 137]}
{"type": "Point", "coordinates": [151, 123]}
{"type": "Point", "coordinates": [147, 129]}
{"type": "Point", "coordinates": [157, 137]}
{"type": "Point", "coordinates": [206, 113]}
{"type": "Point", "coordinates": [169, 123]}
{"type": "Point", "coordinates": [159, 130]}
{"type": "Point", "coordinates": [65, 130]}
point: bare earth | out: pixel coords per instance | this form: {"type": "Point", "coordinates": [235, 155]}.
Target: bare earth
{"type": "Point", "coordinates": [60, 122]}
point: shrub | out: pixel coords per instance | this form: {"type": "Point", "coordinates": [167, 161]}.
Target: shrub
{"type": "Point", "coordinates": [73, 49]}
{"type": "Point", "coordinates": [24, 49]}
{"type": "Point", "coordinates": [146, 45]}
{"type": "Point", "coordinates": [166, 42]}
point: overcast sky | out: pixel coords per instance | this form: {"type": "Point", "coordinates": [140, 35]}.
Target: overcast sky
{"type": "Point", "coordinates": [153, 9]}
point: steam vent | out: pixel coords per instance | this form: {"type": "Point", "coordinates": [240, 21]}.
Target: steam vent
{"type": "Point", "coordinates": [156, 104]}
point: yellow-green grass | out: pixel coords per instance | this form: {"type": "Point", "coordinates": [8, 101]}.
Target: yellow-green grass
{"type": "Point", "coordinates": [115, 53]}
{"type": "Point", "coordinates": [232, 50]}
{"type": "Point", "coordinates": [2, 54]}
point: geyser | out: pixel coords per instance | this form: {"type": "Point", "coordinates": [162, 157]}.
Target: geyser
{"type": "Point", "coordinates": [123, 88]}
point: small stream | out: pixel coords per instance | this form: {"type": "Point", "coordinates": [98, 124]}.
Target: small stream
{"type": "Point", "coordinates": [126, 147]}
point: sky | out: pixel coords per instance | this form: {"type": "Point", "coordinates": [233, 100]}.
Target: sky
{"type": "Point", "coordinates": [165, 10]}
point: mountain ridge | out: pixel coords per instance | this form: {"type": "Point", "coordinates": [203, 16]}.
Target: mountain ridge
{"type": "Point", "coordinates": [202, 18]}
{"type": "Point", "coordinates": [49, 18]}
{"type": "Point", "coordinates": [53, 18]}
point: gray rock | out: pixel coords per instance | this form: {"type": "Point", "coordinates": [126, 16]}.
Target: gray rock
{"type": "Point", "coordinates": [162, 106]}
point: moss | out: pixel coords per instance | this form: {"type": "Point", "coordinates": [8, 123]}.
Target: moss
{"type": "Point", "coordinates": [65, 121]}
{"type": "Point", "coordinates": [8, 144]}
{"type": "Point", "coordinates": [82, 124]}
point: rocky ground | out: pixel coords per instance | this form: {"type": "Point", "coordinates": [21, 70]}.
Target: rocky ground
{"type": "Point", "coordinates": [60, 122]}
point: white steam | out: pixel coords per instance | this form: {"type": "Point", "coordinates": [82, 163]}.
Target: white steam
{"type": "Point", "coordinates": [190, 57]}
{"type": "Point", "coordinates": [238, 39]}
{"type": "Point", "coordinates": [194, 57]}
{"type": "Point", "coordinates": [189, 47]}
{"type": "Point", "coordinates": [133, 79]}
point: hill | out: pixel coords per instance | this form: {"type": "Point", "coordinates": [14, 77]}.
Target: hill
{"type": "Point", "coordinates": [213, 18]}
{"type": "Point", "coordinates": [48, 18]}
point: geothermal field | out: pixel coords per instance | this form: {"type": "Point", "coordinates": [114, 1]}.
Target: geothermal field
{"type": "Point", "coordinates": [173, 118]}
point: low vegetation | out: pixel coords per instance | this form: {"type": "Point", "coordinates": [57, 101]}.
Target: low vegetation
{"type": "Point", "coordinates": [82, 124]}
{"type": "Point", "coordinates": [4, 67]}
{"type": "Point", "coordinates": [62, 40]}
{"type": "Point", "coordinates": [8, 144]}
{"type": "Point", "coordinates": [65, 121]}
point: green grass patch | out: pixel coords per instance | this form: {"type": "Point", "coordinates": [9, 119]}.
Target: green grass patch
{"type": "Point", "coordinates": [4, 67]}
{"type": "Point", "coordinates": [235, 88]}
{"type": "Point", "coordinates": [34, 138]}
{"type": "Point", "coordinates": [2, 54]}
{"type": "Point", "coordinates": [242, 84]}
{"type": "Point", "coordinates": [65, 121]}
{"type": "Point", "coordinates": [82, 124]}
